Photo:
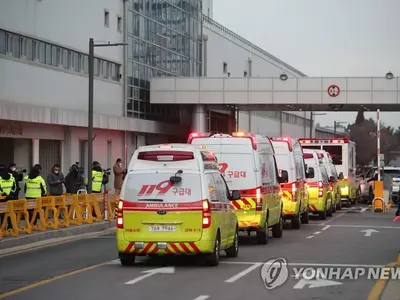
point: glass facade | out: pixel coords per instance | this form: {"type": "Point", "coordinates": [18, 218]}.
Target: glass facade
{"type": "Point", "coordinates": [164, 38]}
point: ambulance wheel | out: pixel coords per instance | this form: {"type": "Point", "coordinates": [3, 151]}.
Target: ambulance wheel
{"type": "Point", "coordinates": [126, 259]}
{"type": "Point", "coordinates": [295, 223]}
{"type": "Point", "coordinates": [329, 212]}
{"type": "Point", "coordinates": [322, 214]}
{"type": "Point", "coordinates": [277, 229]}
{"type": "Point", "coordinates": [305, 217]}
{"type": "Point", "coordinates": [262, 234]}
{"type": "Point", "coordinates": [213, 258]}
{"type": "Point", "coordinates": [339, 205]}
{"type": "Point", "coordinates": [233, 251]}
{"type": "Point", "coordinates": [333, 207]}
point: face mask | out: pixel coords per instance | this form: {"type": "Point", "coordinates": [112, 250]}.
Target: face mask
{"type": "Point", "coordinates": [13, 169]}
{"type": "Point", "coordinates": [120, 164]}
{"type": "Point", "coordinates": [56, 172]}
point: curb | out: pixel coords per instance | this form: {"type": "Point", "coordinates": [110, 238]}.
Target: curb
{"type": "Point", "coordinates": [37, 239]}
{"type": "Point", "coordinates": [379, 287]}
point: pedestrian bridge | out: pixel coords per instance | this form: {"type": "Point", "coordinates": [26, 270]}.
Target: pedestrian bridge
{"type": "Point", "coordinates": [293, 93]}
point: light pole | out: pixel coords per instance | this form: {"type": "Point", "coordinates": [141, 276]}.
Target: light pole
{"type": "Point", "coordinates": [335, 125]}
{"type": "Point", "coordinates": [312, 121]}
{"type": "Point", "coordinates": [92, 45]}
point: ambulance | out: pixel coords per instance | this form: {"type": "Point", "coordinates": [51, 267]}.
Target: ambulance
{"type": "Point", "coordinates": [318, 186]}
{"type": "Point", "coordinates": [343, 154]}
{"type": "Point", "coordinates": [248, 164]}
{"type": "Point", "coordinates": [174, 201]}
{"type": "Point", "coordinates": [289, 157]}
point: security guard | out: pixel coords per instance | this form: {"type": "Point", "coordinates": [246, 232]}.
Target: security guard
{"type": "Point", "coordinates": [8, 187]}
{"type": "Point", "coordinates": [35, 187]}
{"type": "Point", "coordinates": [98, 177]}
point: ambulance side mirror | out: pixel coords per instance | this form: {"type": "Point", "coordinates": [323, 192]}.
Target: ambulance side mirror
{"type": "Point", "coordinates": [331, 179]}
{"type": "Point", "coordinates": [310, 173]}
{"type": "Point", "coordinates": [341, 176]}
{"type": "Point", "coordinates": [235, 196]}
{"type": "Point", "coordinates": [284, 178]}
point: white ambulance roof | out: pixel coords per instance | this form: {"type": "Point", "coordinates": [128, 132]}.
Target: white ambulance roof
{"type": "Point", "coordinates": [174, 156]}
{"type": "Point", "coordinates": [262, 142]}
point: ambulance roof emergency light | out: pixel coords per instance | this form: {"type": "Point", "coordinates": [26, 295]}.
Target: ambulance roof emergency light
{"type": "Point", "coordinates": [194, 135]}
{"type": "Point", "coordinates": [324, 141]}
{"type": "Point", "coordinates": [288, 140]}
{"type": "Point", "coordinates": [249, 135]}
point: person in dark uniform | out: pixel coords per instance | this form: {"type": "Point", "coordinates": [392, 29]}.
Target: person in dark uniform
{"type": "Point", "coordinates": [18, 175]}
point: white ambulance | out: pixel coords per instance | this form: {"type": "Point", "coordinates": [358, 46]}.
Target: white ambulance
{"type": "Point", "coordinates": [248, 164]}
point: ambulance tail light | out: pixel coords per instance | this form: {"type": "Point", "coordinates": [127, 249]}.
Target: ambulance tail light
{"type": "Point", "coordinates": [194, 135]}
{"type": "Point", "coordinates": [247, 135]}
{"type": "Point", "coordinates": [308, 156]}
{"type": "Point", "coordinates": [120, 219]}
{"type": "Point", "coordinates": [258, 200]}
{"type": "Point", "coordinates": [294, 189]}
{"type": "Point", "coordinates": [320, 189]}
{"type": "Point", "coordinates": [206, 214]}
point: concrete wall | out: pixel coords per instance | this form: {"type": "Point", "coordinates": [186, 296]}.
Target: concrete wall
{"type": "Point", "coordinates": [43, 85]}
{"type": "Point", "coordinates": [68, 23]}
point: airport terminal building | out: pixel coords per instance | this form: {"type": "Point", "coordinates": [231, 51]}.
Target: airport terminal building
{"type": "Point", "coordinates": [44, 77]}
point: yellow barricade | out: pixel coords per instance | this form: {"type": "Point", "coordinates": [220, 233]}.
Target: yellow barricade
{"type": "Point", "coordinates": [53, 212]}
{"type": "Point", "coordinates": [62, 211]}
{"type": "Point", "coordinates": [17, 211]}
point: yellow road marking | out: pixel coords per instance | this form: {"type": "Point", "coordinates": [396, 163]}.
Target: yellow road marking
{"type": "Point", "coordinates": [43, 282]}
{"type": "Point", "coordinates": [53, 244]}
{"type": "Point", "coordinates": [379, 287]}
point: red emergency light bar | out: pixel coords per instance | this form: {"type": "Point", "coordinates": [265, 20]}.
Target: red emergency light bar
{"type": "Point", "coordinates": [284, 139]}
{"type": "Point", "coordinates": [194, 135]}
{"type": "Point", "coordinates": [324, 141]}
{"type": "Point", "coordinates": [248, 135]}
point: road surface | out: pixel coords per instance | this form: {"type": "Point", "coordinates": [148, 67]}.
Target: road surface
{"type": "Point", "coordinates": [89, 269]}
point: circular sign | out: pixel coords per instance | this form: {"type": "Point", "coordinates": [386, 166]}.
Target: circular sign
{"type": "Point", "coordinates": [333, 91]}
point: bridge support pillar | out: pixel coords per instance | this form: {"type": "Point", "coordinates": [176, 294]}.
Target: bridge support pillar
{"type": "Point", "coordinates": [199, 118]}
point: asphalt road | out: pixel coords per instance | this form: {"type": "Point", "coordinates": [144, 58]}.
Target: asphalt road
{"type": "Point", "coordinates": [88, 269]}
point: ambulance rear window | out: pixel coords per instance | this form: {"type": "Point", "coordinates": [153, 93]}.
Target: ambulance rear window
{"type": "Point", "coordinates": [156, 187]}
{"type": "Point", "coordinates": [166, 155]}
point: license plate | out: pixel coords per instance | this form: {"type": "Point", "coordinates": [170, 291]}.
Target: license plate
{"type": "Point", "coordinates": [162, 228]}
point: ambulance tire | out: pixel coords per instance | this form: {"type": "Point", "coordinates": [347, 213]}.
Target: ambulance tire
{"type": "Point", "coordinates": [322, 214]}
{"type": "Point", "coordinates": [127, 259]}
{"type": "Point", "coordinates": [305, 217]}
{"type": "Point", "coordinates": [212, 259]}
{"type": "Point", "coordinates": [339, 205]}
{"type": "Point", "coordinates": [333, 207]}
{"type": "Point", "coordinates": [329, 212]}
{"type": "Point", "coordinates": [277, 229]}
{"type": "Point", "coordinates": [295, 222]}
{"type": "Point", "coordinates": [233, 251]}
{"type": "Point", "coordinates": [262, 234]}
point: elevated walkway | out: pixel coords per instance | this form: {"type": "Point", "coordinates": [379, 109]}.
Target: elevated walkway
{"type": "Point", "coordinates": [295, 93]}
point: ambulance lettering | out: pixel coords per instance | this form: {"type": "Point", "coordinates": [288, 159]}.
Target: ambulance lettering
{"type": "Point", "coordinates": [162, 205]}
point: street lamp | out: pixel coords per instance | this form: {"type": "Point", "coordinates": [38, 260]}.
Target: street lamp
{"type": "Point", "coordinates": [335, 125]}
{"type": "Point", "coordinates": [283, 77]}
{"type": "Point", "coordinates": [389, 75]}
{"type": "Point", "coordinates": [312, 121]}
{"type": "Point", "coordinates": [92, 45]}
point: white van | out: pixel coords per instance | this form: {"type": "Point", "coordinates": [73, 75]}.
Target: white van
{"type": "Point", "coordinates": [248, 164]}
{"type": "Point", "coordinates": [289, 157]}
{"type": "Point", "coordinates": [174, 201]}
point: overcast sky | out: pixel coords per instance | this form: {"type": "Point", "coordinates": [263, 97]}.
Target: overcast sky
{"type": "Point", "coordinates": [322, 37]}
